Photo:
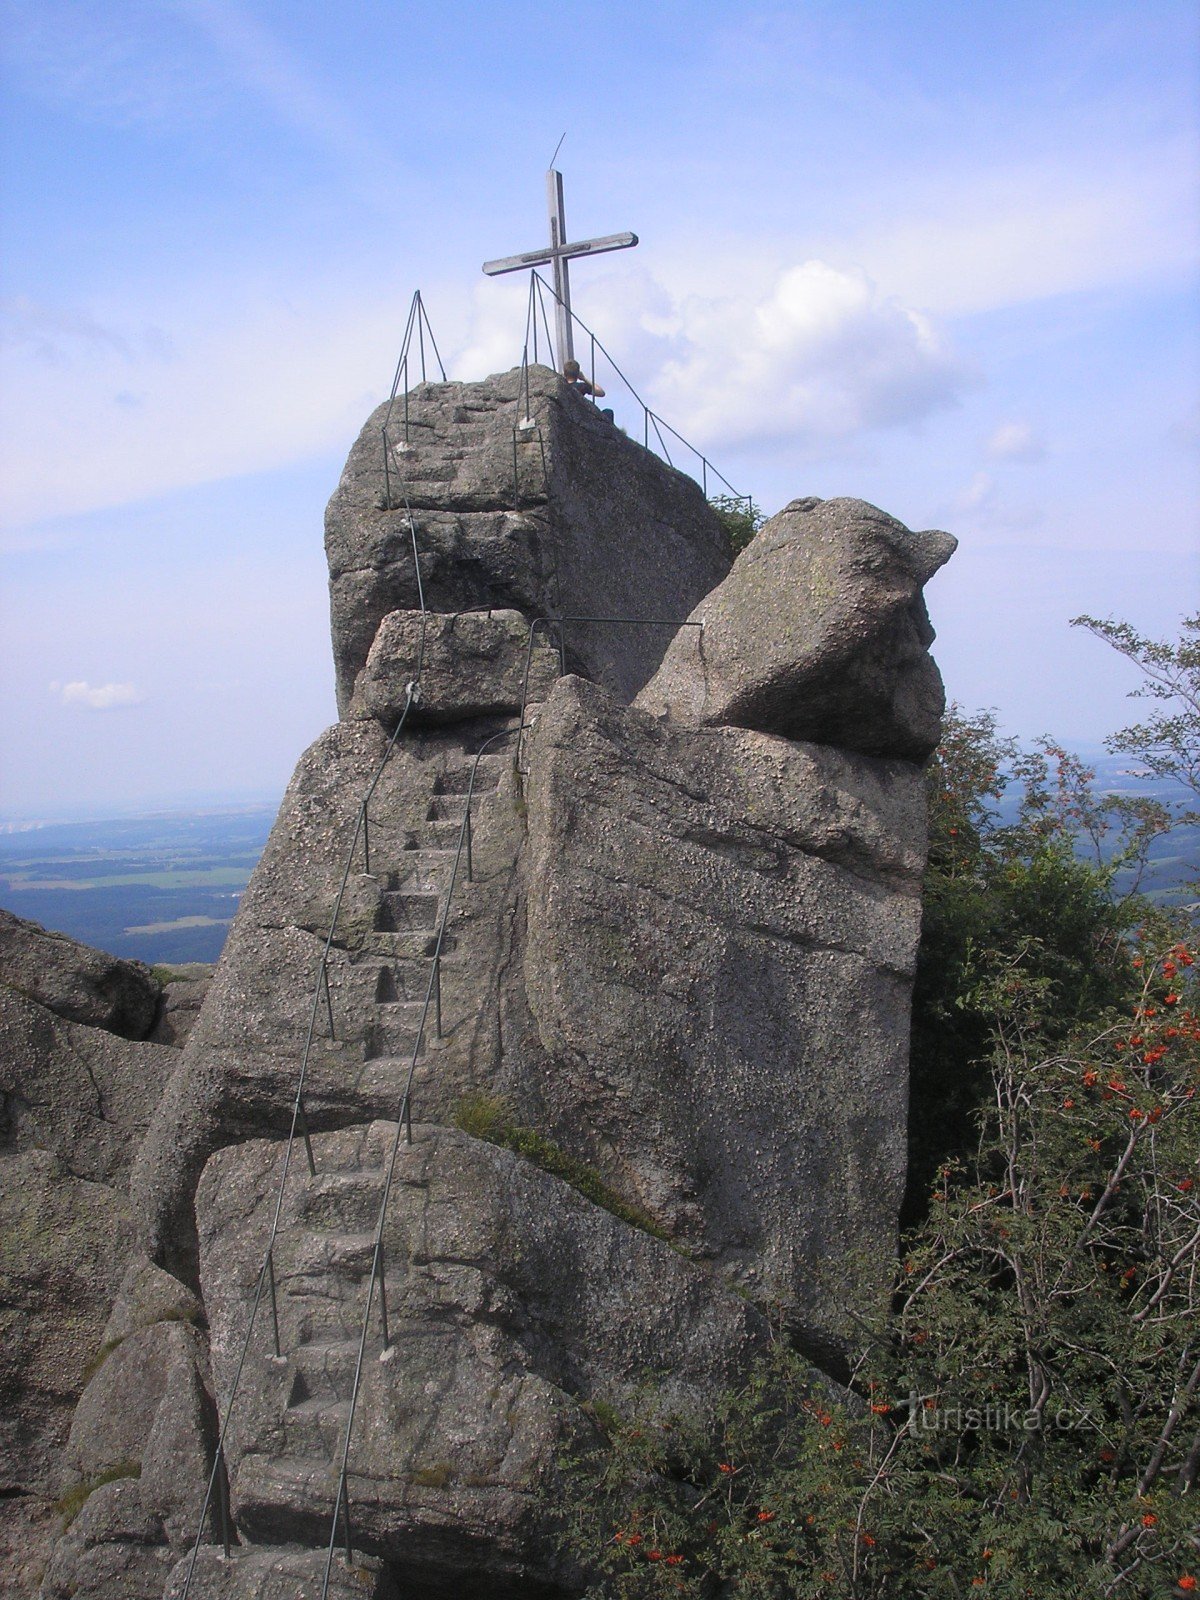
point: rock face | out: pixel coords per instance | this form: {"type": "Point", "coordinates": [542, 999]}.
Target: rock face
{"type": "Point", "coordinates": [565, 517]}
{"type": "Point", "coordinates": [476, 664]}
{"type": "Point", "coordinates": [513, 1305]}
{"type": "Point", "coordinates": [75, 981]}
{"type": "Point", "coordinates": [663, 947]}
{"type": "Point", "coordinates": [720, 969]}
{"type": "Point", "coordinates": [820, 633]}
{"type": "Point", "coordinates": [75, 1101]}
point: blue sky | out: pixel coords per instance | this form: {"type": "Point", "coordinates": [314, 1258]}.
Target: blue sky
{"type": "Point", "coordinates": [939, 256]}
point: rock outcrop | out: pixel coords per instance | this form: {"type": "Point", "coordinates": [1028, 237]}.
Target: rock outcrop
{"type": "Point", "coordinates": [820, 632]}
{"type": "Point", "coordinates": [659, 940]}
{"type": "Point", "coordinates": [530, 500]}
{"type": "Point", "coordinates": [722, 938]}
{"type": "Point", "coordinates": [75, 1102]}
{"type": "Point", "coordinates": [75, 981]}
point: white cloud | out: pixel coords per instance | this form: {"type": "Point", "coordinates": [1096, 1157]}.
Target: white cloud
{"type": "Point", "coordinates": [100, 697]}
{"type": "Point", "coordinates": [1017, 234]}
{"type": "Point", "coordinates": [1015, 441]}
{"type": "Point", "coordinates": [810, 354]}
{"type": "Point", "coordinates": [824, 355]}
{"type": "Point", "coordinates": [979, 493]}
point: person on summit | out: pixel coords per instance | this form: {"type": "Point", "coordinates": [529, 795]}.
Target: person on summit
{"type": "Point", "coordinates": [578, 382]}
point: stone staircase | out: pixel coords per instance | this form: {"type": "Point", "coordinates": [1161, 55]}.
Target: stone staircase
{"type": "Point", "coordinates": [286, 1447]}
{"type": "Point", "coordinates": [459, 457]}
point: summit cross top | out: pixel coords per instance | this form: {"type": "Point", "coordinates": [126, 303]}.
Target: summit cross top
{"type": "Point", "coordinates": [559, 252]}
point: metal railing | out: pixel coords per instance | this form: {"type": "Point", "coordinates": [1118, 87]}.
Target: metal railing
{"type": "Point", "coordinates": [377, 1279]}
{"type": "Point", "coordinates": [538, 289]}
{"type": "Point", "coordinates": [418, 323]}
{"type": "Point", "coordinates": [265, 1285]}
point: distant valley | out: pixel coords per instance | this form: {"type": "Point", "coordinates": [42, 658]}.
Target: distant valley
{"type": "Point", "coordinates": [162, 889]}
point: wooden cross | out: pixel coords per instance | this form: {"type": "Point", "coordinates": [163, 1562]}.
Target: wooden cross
{"type": "Point", "coordinates": [560, 252]}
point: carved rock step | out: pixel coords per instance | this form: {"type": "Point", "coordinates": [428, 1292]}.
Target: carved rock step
{"type": "Point", "coordinates": [438, 835]}
{"type": "Point", "coordinates": [338, 1201]}
{"type": "Point", "coordinates": [450, 807]}
{"type": "Point", "coordinates": [403, 910]}
{"type": "Point", "coordinates": [316, 1428]}
{"type": "Point", "coordinates": [394, 1029]}
{"type": "Point", "coordinates": [402, 982]}
{"type": "Point", "coordinates": [421, 872]}
{"type": "Point", "coordinates": [457, 780]}
{"type": "Point", "coordinates": [408, 946]}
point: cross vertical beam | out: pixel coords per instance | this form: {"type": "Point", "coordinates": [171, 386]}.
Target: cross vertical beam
{"type": "Point", "coordinates": [559, 253]}
{"type": "Point", "coordinates": [562, 273]}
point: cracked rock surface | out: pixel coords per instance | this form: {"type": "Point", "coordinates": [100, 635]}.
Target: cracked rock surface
{"type": "Point", "coordinates": [570, 518]}
{"type": "Point", "coordinates": [512, 1302]}
{"type": "Point", "coordinates": [720, 968]}
{"type": "Point", "coordinates": [675, 921]}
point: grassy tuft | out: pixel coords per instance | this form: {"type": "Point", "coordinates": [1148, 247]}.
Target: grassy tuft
{"type": "Point", "coordinates": [77, 1496]}
{"type": "Point", "coordinates": [490, 1118]}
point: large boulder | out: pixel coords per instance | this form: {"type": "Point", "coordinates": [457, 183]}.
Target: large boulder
{"type": "Point", "coordinates": [517, 1311]}
{"type": "Point", "coordinates": [64, 1242]}
{"type": "Point", "coordinates": [75, 981]}
{"type": "Point", "coordinates": [819, 632]}
{"type": "Point", "coordinates": [83, 1093]}
{"type": "Point", "coordinates": [472, 664]}
{"type": "Point", "coordinates": [527, 499]}
{"type": "Point", "coordinates": [722, 935]}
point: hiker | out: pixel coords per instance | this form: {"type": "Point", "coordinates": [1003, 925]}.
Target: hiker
{"type": "Point", "coordinates": [578, 382]}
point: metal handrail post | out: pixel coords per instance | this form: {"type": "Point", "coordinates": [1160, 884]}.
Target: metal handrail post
{"type": "Point", "coordinates": [328, 999]}
{"type": "Point", "coordinates": [274, 1300]}
{"type": "Point", "coordinates": [437, 988]}
{"type": "Point", "coordinates": [387, 1340]}
{"type": "Point", "coordinates": [223, 1501]}
{"type": "Point", "coordinates": [366, 844]}
{"type": "Point", "coordinates": [470, 872]}
{"type": "Point", "coordinates": [308, 1149]}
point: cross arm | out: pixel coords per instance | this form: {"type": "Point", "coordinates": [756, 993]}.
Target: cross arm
{"type": "Point", "coordinates": [538, 258]}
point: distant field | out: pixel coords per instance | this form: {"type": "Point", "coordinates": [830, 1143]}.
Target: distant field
{"type": "Point", "coordinates": [158, 889]}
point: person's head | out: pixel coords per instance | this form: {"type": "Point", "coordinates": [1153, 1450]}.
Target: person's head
{"type": "Point", "coordinates": [571, 369]}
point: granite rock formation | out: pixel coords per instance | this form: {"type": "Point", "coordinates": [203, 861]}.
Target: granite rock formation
{"type": "Point", "coordinates": [76, 1096]}
{"type": "Point", "coordinates": [675, 917]}
{"type": "Point", "coordinates": [528, 499]}
{"type": "Point", "coordinates": [75, 981]}
{"type": "Point", "coordinates": [820, 632]}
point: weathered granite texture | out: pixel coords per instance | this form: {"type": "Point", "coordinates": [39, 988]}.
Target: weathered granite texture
{"type": "Point", "coordinates": [237, 1074]}
{"type": "Point", "coordinates": [75, 1101]}
{"type": "Point", "coordinates": [83, 1093]}
{"type": "Point", "coordinates": [591, 525]}
{"type": "Point", "coordinates": [288, 1573]}
{"type": "Point", "coordinates": [819, 632]}
{"type": "Point", "coordinates": [681, 947]}
{"type": "Point", "coordinates": [719, 964]}
{"type": "Point", "coordinates": [184, 991]}
{"type": "Point", "coordinates": [473, 664]}
{"type": "Point", "coordinates": [75, 981]}
{"type": "Point", "coordinates": [513, 1303]}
